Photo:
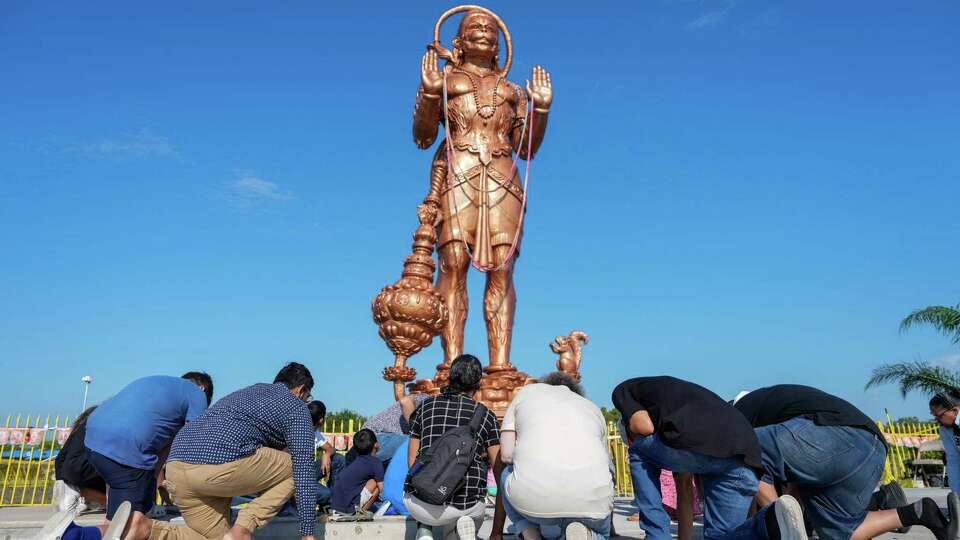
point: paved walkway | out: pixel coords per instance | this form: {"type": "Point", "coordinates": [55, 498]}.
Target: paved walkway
{"type": "Point", "coordinates": [24, 522]}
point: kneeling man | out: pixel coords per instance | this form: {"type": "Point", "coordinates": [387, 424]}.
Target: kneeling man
{"type": "Point", "coordinates": [833, 455]}
{"type": "Point", "coordinates": [683, 427]}
{"type": "Point", "coordinates": [256, 440]}
{"type": "Point", "coordinates": [554, 442]}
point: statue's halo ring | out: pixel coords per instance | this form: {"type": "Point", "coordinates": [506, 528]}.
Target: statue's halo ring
{"type": "Point", "coordinates": [500, 23]}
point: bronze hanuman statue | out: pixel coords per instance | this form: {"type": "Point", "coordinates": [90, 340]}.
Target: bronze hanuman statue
{"type": "Point", "coordinates": [478, 190]}
{"type": "Point", "coordinates": [474, 209]}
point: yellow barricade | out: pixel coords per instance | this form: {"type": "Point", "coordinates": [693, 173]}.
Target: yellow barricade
{"type": "Point", "coordinates": [29, 444]}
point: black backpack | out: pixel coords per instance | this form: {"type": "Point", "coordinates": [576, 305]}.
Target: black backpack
{"type": "Point", "coordinates": [441, 469]}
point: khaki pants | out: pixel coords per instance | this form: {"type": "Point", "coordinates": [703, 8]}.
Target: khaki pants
{"type": "Point", "coordinates": [203, 494]}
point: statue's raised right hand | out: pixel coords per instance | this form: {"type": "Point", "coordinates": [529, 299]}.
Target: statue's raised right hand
{"type": "Point", "coordinates": [431, 79]}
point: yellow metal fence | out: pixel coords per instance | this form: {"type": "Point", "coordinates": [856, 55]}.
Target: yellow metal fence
{"type": "Point", "coordinates": [29, 444]}
{"type": "Point", "coordinates": [904, 441]}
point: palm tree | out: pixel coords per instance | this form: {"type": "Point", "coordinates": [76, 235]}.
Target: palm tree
{"type": "Point", "coordinates": [943, 319]}
{"type": "Point", "coordinates": [921, 375]}
{"type": "Point", "coordinates": [918, 375]}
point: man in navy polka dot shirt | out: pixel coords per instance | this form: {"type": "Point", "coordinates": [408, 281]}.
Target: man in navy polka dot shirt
{"type": "Point", "coordinates": [255, 440]}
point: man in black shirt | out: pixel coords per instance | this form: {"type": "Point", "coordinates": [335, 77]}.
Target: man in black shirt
{"type": "Point", "coordinates": [682, 427]}
{"type": "Point", "coordinates": [833, 456]}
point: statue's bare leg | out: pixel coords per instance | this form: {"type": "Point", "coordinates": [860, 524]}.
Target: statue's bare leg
{"type": "Point", "coordinates": [452, 286]}
{"type": "Point", "coordinates": [499, 305]}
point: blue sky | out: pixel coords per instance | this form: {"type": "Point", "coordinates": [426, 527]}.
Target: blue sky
{"type": "Point", "coordinates": [737, 193]}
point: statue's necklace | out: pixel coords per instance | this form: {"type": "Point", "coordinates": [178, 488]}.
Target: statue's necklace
{"type": "Point", "coordinates": [485, 111]}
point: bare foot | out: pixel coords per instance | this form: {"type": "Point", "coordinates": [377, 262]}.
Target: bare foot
{"type": "Point", "coordinates": [238, 533]}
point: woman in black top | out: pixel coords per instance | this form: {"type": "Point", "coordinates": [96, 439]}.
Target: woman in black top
{"type": "Point", "coordinates": [435, 416]}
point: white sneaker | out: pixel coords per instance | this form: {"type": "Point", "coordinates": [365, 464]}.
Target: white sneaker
{"type": "Point", "coordinates": [790, 518]}
{"type": "Point", "coordinates": [424, 533]}
{"type": "Point", "coordinates": [65, 497]}
{"type": "Point", "coordinates": [382, 510]}
{"type": "Point", "coordinates": [577, 531]}
{"type": "Point", "coordinates": [466, 528]}
{"type": "Point", "coordinates": [55, 526]}
{"type": "Point", "coordinates": [119, 522]}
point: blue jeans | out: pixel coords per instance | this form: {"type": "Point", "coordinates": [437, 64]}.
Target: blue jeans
{"type": "Point", "coordinates": [389, 442]}
{"type": "Point", "coordinates": [600, 528]}
{"type": "Point", "coordinates": [835, 468]}
{"type": "Point", "coordinates": [728, 487]}
{"type": "Point", "coordinates": [324, 492]}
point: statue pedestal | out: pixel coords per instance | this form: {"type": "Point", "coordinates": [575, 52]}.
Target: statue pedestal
{"type": "Point", "coordinates": [497, 387]}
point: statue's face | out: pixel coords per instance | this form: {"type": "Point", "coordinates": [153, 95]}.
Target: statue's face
{"type": "Point", "coordinates": [479, 34]}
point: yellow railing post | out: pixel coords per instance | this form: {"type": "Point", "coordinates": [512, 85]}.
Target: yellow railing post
{"type": "Point", "coordinates": [39, 460]}
{"type": "Point", "coordinates": [16, 476]}
{"type": "Point", "coordinates": [3, 486]}
{"type": "Point", "coordinates": [887, 469]}
{"type": "Point", "coordinates": [28, 463]}
{"type": "Point", "coordinates": [56, 433]}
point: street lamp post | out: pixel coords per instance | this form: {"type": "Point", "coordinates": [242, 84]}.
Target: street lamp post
{"type": "Point", "coordinates": [86, 380]}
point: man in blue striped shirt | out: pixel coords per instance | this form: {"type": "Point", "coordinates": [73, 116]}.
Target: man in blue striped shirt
{"type": "Point", "coordinates": [255, 440]}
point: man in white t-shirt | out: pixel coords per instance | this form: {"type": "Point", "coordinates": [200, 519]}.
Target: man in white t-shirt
{"type": "Point", "coordinates": [555, 444]}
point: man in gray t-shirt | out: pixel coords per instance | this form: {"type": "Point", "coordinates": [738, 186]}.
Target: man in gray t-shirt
{"type": "Point", "coordinates": [392, 424]}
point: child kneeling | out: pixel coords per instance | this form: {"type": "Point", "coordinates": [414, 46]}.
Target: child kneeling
{"type": "Point", "coordinates": [361, 482]}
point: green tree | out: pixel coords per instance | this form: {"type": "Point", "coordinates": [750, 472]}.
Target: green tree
{"type": "Point", "coordinates": [610, 415]}
{"type": "Point", "coordinates": [342, 418]}
{"type": "Point", "coordinates": [921, 375]}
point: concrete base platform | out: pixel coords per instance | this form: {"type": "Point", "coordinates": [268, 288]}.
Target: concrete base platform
{"type": "Point", "coordinates": [18, 523]}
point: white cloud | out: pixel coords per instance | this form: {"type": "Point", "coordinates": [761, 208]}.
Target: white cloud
{"type": "Point", "coordinates": [141, 144]}
{"type": "Point", "coordinates": [708, 20]}
{"type": "Point", "coordinates": [951, 360]}
{"type": "Point", "coordinates": [250, 190]}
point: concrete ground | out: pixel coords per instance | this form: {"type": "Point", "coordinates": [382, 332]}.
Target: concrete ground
{"type": "Point", "coordinates": [24, 522]}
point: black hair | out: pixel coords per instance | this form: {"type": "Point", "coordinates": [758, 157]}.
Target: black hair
{"type": "Point", "coordinates": [363, 441]}
{"type": "Point", "coordinates": [559, 378]}
{"type": "Point", "coordinates": [944, 400]}
{"type": "Point", "coordinates": [293, 375]}
{"type": "Point", "coordinates": [318, 411]}
{"type": "Point", "coordinates": [82, 419]}
{"type": "Point", "coordinates": [464, 375]}
{"type": "Point", "coordinates": [78, 423]}
{"type": "Point", "coordinates": [200, 378]}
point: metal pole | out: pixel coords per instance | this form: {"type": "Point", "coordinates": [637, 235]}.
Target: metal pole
{"type": "Point", "coordinates": [86, 380]}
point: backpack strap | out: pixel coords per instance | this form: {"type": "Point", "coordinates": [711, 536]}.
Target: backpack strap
{"type": "Point", "coordinates": [476, 421]}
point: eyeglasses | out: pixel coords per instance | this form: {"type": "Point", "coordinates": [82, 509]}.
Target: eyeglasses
{"type": "Point", "coordinates": [940, 414]}
{"type": "Point", "coordinates": [307, 397]}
